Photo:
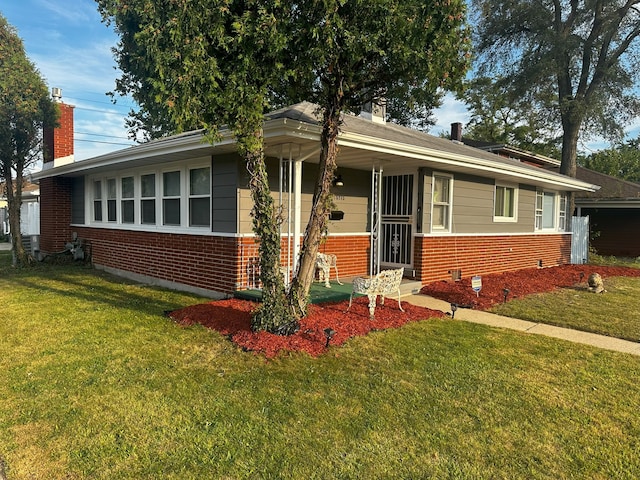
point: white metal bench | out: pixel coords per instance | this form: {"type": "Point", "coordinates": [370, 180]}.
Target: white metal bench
{"type": "Point", "coordinates": [384, 283]}
{"type": "Point", "coordinates": [324, 262]}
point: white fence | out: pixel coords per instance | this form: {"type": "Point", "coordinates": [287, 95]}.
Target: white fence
{"type": "Point", "coordinates": [580, 240]}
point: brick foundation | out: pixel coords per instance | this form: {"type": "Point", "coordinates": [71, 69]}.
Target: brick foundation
{"type": "Point", "coordinates": [436, 257]}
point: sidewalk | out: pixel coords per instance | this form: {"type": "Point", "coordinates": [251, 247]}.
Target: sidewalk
{"type": "Point", "coordinates": [486, 318]}
{"type": "Point", "coordinates": [5, 246]}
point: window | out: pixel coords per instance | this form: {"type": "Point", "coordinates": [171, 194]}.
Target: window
{"type": "Point", "coordinates": [562, 213]}
{"type": "Point", "coordinates": [148, 199]}
{"type": "Point", "coordinates": [127, 202]}
{"type": "Point", "coordinates": [441, 205]}
{"type": "Point", "coordinates": [178, 196]}
{"type": "Point", "coordinates": [551, 211]}
{"type": "Point", "coordinates": [97, 201]}
{"type": "Point", "coordinates": [505, 203]}
{"type": "Point", "coordinates": [200, 197]}
{"type": "Point", "coordinates": [112, 196]}
{"type": "Point", "coordinates": [171, 198]}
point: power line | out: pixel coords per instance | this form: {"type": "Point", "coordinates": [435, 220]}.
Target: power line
{"type": "Point", "coordinates": [99, 135]}
{"type": "Point", "coordinates": [107, 143]}
{"type": "Point", "coordinates": [97, 110]}
{"type": "Point", "coordinates": [103, 103]}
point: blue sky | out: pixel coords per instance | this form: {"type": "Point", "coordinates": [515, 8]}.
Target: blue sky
{"type": "Point", "coordinates": [72, 49]}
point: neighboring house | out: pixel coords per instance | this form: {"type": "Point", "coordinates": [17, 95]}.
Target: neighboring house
{"type": "Point", "coordinates": [613, 209]}
{"type": "Point", "coordinates": [29, 213]}
{"type": "Point", "coordinates": [176, 211]}
{"type": "Point", "coordinates": [614, 214]}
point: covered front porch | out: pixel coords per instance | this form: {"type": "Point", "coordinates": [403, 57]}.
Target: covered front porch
{"type": "Point", "coordinates": [337, 293]}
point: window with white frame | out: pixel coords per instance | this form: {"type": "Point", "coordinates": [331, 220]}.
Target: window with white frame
{"type": "Point", "coordinates": [562, 213]}
{"type": "Point", "coordinates": [112, 198]}
{"type": "Point", "coordinates": [127, 204]}
{"type": "Point", "coordinates": [200, 197]}
{"type": "Point", "coordinates": [441, 204]}
{"type": "Point", "coordinates": [97, 201]}
{"type": "Point", "coordinates": [148, 199]}
{"type": "Point", "coordinates": [551, 211]}
{"type": "Point", "coordinates": [178, 197]}
{"type": "Point", "coordinates": [505, 203]}
{"type": "Point", "coordinates": [171, 198]}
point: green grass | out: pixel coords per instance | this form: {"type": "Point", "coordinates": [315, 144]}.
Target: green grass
{"type": "Point", "coordinates": [615, 313]}
{"type": "Point", "coordinates": [96, 383]}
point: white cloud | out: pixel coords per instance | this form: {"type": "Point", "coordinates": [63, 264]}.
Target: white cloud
{"type": "Point", "coordinates": [452, 111]}
{"type": "Point", "coordinates": [77, 12]}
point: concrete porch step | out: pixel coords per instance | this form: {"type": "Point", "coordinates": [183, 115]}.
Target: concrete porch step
{"type": "Point", "coordinates": [409, 287]}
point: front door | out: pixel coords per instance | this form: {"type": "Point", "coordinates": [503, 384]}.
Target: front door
{"type": "Point", "coordinates": [397, 220]}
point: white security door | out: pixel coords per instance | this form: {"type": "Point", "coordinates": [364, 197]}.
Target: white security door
{"type": "Point", "coordinates": [397, 220]}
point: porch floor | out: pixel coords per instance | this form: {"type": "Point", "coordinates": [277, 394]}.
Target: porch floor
{"type": "Point", "coordinates": [337, 293]}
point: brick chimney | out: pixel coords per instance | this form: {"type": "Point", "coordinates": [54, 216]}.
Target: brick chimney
{"type": "Point", "coordinates": [58, 142]}
{"type": "Point", "coordinates": [456, 132]}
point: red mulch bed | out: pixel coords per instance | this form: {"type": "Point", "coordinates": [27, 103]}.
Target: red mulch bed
{"type": "Point", "coordinates": [233, 318]}
{"type": "Point", "coordinates": [520, 283]}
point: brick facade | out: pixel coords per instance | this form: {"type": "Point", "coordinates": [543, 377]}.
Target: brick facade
{"type": "Point", "coordinates": [435, 258]}
{"type": "Point", "coordinates": [225, 264]}
{"type": "Point", "coordinates": [55, 214]}
{"type": "Point", "coordinates": [58, 142]}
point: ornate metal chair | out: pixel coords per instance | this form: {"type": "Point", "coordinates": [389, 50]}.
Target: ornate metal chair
{"type": "Point", "coordinates": [384, 283]}
{"type": "Point", "coordinates": [324, 262]}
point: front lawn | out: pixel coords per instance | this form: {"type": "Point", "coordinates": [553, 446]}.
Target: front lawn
{"type": "Point", "coordinates": [615, 313]}
{"type": "Point", "coordinates": [97, 383]}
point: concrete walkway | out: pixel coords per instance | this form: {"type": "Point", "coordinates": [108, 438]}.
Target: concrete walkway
{"type": "Point", "coordinates": [486, 318]}
{"type": "Point", "coordinates": [6, 246]}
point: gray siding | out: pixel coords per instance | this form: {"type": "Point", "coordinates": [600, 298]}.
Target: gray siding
{"type": "Point", "coordinates": [77, 201]}
{"type": "Point", "coordinates": [224, 191]}
{"type": "Point", "coordinates": [473, 206]}
{"type": "Point", "coordinates": [352, 198]}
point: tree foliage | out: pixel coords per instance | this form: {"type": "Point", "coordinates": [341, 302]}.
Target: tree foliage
{"type": "Point", "coordinates": [580, 55]}
{"type": "Point", "coordinates": [202, 64]}
{"type": "Point", "coordinates": [350, 53]}
{"type": "Point", "coordinates": [621, 161]}
{"type": "Point", "coordinates": [500, 117]}
{"type": "Point", "coordinates": [25, 107]}
{"type": "Point", "coordinates": [207, 64]}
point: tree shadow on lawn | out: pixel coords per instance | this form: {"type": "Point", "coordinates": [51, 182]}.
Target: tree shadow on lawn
{"type": "Point", "coordinates": [232, 318]}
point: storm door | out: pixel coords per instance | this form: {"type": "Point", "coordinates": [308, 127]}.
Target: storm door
{"type": "Point", "coordinates": [397, 220]}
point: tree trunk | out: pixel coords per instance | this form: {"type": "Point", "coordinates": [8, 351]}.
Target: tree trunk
{"type": "Point", "coordinates": [571, 131]}
{"type": "Point", "coordinates": [301, 283]}
{"type": "Point", "coordinates": [273, 315]}
{"type": "Point", "coordinates": [14, 202]}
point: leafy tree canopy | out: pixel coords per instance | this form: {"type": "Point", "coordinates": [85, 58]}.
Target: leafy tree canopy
{"type": "Point", "coordinates": [579, 57]}
{"type": "Point", "coordinates": [500, 117]}
{"type": "Point", "coordinates": [621, 160]}
{"type": "Point", "coordinates": [25, 107]}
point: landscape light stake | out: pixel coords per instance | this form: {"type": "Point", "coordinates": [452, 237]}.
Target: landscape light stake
{"type": "Point", "coordinates": [454, 307]}
{"type": "Point", "coordinates": [329, 333]}
{"type": "Point", "coordinates": [506, 294]}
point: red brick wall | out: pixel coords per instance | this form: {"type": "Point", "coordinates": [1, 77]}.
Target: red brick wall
{"type": "Point", "coordinates": [352, 253]}
{"type": "Point", "coordinates": [55, 214]}
{"type": "Point", "coordinates": [201, 261]}
{"type": "Point", "coordinates": [436, 257]}
{"type": "Point", "coordinates": [58, 142]}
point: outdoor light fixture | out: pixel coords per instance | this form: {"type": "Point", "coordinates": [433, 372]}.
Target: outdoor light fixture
{"type": "Point", "coordinates": [338, 182]}
{"type": "Point", "coordinates": [454, 307]}
{"type": "Point", "coordinates": [329, 333]}
{"type": "Point", "coordinates": [505, 291]}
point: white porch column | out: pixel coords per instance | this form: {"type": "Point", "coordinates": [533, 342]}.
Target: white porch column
{"type": "Point", "coordinates": [297, 208]}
